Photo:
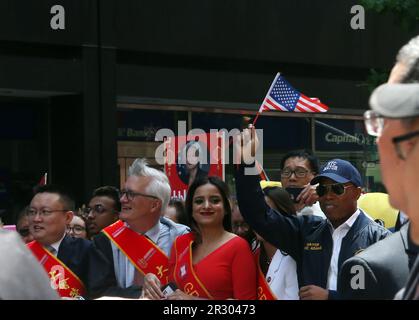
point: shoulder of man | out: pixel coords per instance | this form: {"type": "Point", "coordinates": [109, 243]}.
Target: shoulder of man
{"type": "Point", "coordinates": [178, 228]}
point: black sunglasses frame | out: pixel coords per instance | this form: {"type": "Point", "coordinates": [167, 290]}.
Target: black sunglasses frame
{"type": "Point", "coordinates": [404, 137]}
{"type": "Point", "coordinates": [336, 188]}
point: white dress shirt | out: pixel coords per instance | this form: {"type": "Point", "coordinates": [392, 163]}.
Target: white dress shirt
{"type": "Point", "coordinates": [337, 235]}
{"type": "Point", "coordinates": [282, 277]}
{"type": "Point", "coordinates": [124, 269]}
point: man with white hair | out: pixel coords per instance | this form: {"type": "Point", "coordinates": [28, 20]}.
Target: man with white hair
{"type": "Point", "coordinates": [141, 240]}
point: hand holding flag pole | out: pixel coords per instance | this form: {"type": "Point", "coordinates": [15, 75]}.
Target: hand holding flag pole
{"type": "Point", "coordinates": [282, 96]}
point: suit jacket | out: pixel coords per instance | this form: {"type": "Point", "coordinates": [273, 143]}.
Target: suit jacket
{"type": "Point", "coordinates": [385, 268]}
{"type": "Point", "coordinates": [87, 262]}
{"type": "Point", "coordinates": [411, 291]}
{"type": "Point", "coordinates": [21, 276]}
{"type": "Point", "coordinates": [103, 243]}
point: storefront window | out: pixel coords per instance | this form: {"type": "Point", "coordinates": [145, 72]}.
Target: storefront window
{"type": "Point", "coordinates": [348, 140]}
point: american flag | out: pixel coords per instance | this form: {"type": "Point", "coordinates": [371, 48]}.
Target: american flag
{"type": "Point", "coordinates": [283, 97]}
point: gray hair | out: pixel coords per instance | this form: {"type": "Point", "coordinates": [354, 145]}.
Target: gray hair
{"type": "Point", "coordinates": [408, 55]}
{"type": "Point", "coordinates": [159, 185]}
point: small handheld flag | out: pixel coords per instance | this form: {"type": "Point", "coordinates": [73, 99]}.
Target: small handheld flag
{"type": "Point", "coordinates": [283, 97]}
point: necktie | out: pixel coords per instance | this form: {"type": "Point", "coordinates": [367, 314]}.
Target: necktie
{"type": "Point", "coordinates": [51, 250]}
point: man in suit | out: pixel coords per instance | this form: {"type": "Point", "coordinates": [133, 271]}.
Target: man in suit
{"type": "Point", "coordinates": [21, 276]}
{"type": "Point", "coordinates": [383, 268]}
{"type": "Point", "coordinates": [140, 242]}
{"type": "Point", "coordinates": [407, 148]}
{"type": "Point", "coordinates": [76, 268]}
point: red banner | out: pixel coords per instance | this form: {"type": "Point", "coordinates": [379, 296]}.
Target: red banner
{"type": "Point", "coordinates": [186, 160]}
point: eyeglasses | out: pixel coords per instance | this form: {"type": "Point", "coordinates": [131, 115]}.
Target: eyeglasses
{"type": "Point", "coordinates": [374, 123]}
{"type": "Point", "coordinates": [402, 152]}
{"type": "Point", "coordinates": [299, 172]}
{"type": "Point", "coordinates": [337, 188]}
{"type": "Point", "coordinates": [131, 195]}
{"type": "Point", "coordinates": [98, 208]}
{"type": "Point", "coordinates": [43, 212]}
{"type": "Point", "coordinates": [23, 232]}
{"type": "Point", "coordinates": [77, 229]}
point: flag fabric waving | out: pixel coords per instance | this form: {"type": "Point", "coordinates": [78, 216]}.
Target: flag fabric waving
{"type": "Point", "coordinates": [283, 97]}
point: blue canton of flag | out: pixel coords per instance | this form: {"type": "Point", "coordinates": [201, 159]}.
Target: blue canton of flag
{"type": "Point", "coordinates": [283, 97]}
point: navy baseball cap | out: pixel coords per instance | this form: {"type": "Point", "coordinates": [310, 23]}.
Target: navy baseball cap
{"type": "Point", "coordinates": [340, 171]}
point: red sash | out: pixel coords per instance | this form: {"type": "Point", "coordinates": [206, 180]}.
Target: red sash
{"type": "Point", "coordinates": [63, 280]}
{"type": "Point", "coordinates": [141, 251]}
{"type": "Point", "coordinates": [264, 291]}
{"type": "Point", "coordinates": [184, 273]}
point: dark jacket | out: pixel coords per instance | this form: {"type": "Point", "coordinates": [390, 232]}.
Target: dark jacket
{"type": "Point", "coordinates": [88, 263]}
{"type": "Point", "coordinates": [103, 243]}
{"type": "Point", "coordinates": [306, 238]}
{"type": "Point", "coordinates": [411, 291]}
{"type": "Point", "coordinates": [384, 269]}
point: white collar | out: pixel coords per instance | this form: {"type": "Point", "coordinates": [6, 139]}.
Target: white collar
{"type": "Point", "coordinates": [56, 245]}
{"type": "Point", "coordinates": [348, 223]}
{"type": "Point", "coordinates": [153, 233]}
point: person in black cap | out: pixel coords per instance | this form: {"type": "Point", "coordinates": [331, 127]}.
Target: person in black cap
{"type": "Point", "coordinates": [319, 246]}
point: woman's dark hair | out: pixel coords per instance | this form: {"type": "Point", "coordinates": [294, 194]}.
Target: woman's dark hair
{"type": "Point", "coordinates": [222, 188]}
{"type": "Point", "coordinates": [178, 204]}
{"type": "Point", "coordinates": [281, 199]}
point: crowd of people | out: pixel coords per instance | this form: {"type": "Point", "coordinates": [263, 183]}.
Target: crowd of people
{"type": "Point", "coordinates": [306, 239]}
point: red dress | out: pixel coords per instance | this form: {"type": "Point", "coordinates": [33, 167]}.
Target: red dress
{"type": "Point", "coordinates": [229, 272]}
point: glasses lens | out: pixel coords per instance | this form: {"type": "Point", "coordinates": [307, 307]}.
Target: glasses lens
{"type": "Point", "coordinates": [373, 123]}
{"type": "Point", "coordinates": [286, 173]}
{"type": "Point", "coordinates": [300, 172]}
{"type": "Point", "coordinates": [125, 193]}
{"type": "Point", "coordinates": [99, 208]}
{"type": "Point", "coordinates": [338, 189]}
{"type": "Point", "coordinates": [321, 190]}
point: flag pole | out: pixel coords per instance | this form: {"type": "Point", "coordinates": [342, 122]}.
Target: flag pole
{"type": "Point", "coordinates": [257, 116]}
{"type": "Point", "coordinates": [263, 102]}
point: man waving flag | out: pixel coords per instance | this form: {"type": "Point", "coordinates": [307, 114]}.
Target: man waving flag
{"type": "Point", "coordinates": [283, 97]}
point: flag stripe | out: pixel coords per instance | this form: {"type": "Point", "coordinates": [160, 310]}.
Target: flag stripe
{"type": "Point", "coordinates": [307, 107]}
{"type": "Point", "coordinates": [318, 105]}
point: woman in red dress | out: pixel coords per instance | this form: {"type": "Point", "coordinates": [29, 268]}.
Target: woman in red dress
{"type": "Point", "coordinates": [210, 262]}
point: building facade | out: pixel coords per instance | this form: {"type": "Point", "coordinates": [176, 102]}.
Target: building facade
{"type": "Point", "coordinates": [85, 84]}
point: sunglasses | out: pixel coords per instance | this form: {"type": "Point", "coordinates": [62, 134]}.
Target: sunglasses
{"type": "Point", "coordinates": [337, 188]}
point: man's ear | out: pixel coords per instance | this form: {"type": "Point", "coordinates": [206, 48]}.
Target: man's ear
{"type": "Point", "coordinates": [156, 205]}
{"type": "Point", "coordinates": [68, 216]}
{"type": "Point", "coordinates": [358, 192]}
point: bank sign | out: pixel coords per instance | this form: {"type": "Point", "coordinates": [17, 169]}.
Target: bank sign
{"type": "Point", "coordinates": [342, 135]}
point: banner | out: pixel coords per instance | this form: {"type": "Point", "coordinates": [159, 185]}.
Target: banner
{"type": "Point", "coordinates": [191, 157]}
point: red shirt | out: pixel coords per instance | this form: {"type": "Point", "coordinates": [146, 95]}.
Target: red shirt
{"type": "Point", "coordinates": [223, 274]}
